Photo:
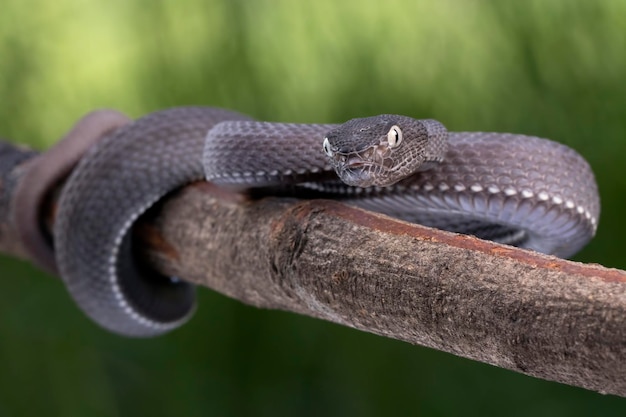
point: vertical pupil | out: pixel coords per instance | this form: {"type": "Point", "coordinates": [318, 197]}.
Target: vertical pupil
{"type": "Point", "coordinates": [394, 137]}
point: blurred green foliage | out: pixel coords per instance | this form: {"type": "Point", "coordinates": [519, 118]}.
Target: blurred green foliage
{"type": "Point", "coordinates": [555, 69]}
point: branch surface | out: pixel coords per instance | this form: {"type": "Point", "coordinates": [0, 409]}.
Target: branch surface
{"type": "Point", "coordinates": [517, 309]}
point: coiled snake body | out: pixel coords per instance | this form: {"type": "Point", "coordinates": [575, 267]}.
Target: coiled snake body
{"type": "Point", "coordinates": [515, 189]}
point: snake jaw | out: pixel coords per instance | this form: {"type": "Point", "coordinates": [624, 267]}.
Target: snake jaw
{"type": "Point", "coordinates": [372, 166]}
{"type": "Point", "coordinates": [356, 175]}
{"type": "Point", "coordinates": [358, 168]}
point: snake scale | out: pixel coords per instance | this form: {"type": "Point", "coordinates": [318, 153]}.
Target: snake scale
{"type": "Point", "coordinates": [514, 189]}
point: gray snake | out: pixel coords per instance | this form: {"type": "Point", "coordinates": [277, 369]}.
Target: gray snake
{"type": "Point", "coordinates": [514, 189]}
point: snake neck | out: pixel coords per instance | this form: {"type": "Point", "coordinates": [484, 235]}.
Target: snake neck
{"type": "Point", "coordinates": [250, 154]}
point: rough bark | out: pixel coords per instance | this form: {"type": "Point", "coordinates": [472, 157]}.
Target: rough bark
{"type": "Point", "coordinates": [535, 314]}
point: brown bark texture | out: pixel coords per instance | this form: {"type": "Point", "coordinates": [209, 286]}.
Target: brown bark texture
{"type": "Point", "coordinates": [536, 314]}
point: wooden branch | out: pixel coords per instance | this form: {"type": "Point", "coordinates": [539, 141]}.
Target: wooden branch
{"type": "Point", "coordinates": [520, 310]}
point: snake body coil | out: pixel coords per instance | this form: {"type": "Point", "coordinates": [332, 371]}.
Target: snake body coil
{"type": "Point", "coordinates": [515, 189]}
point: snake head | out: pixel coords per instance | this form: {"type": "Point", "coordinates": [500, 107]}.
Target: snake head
{"type": "Point", "coordinates": [382, 150]}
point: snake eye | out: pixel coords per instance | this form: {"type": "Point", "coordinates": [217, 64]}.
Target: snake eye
{"type": "Point", "coordinates": [327, 148]}
{"type": "Point", "coordinates": [394, 136]}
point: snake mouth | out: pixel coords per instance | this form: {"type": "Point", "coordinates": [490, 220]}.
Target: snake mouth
{"type": "Point", "coordinates": [356, 162]}
{"type": "Point", "coordinates": [363, 168]}
{"type": "Point", "coordinates": [358, 174]}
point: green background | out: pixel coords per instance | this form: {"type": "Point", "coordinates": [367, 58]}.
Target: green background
{"type": "Point", "coordinates": [555, 69]}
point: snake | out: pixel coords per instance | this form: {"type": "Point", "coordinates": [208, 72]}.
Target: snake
{"type": "Point", "coordinates": [514, 189]}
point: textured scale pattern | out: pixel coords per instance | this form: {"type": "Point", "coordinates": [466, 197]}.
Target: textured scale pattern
{"type": "Point", "coordinates": [515, 189]}
{"type": "Point", "coordinates": [114, 183]}
{"type": "Point", "coordinates": [250, 153]}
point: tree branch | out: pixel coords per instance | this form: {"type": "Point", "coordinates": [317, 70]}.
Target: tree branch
{"type": "Point", "coordinates": [516, 309]}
